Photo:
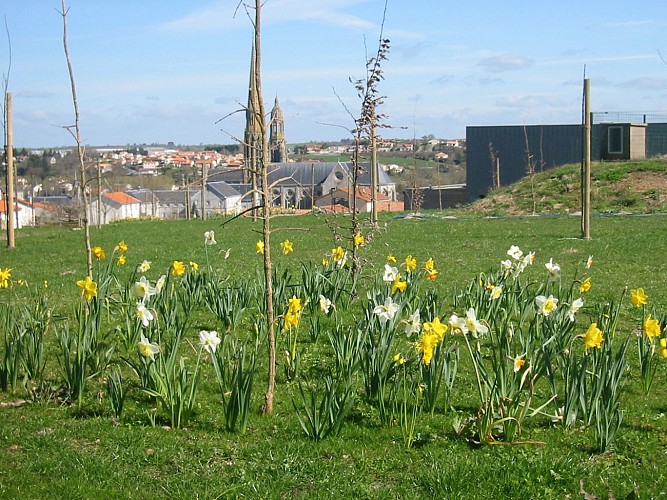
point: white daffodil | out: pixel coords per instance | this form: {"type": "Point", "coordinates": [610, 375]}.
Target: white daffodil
{"type": "Point", "coordinates": [209, 238]}
{"type": "Point", "coordinates": [474, 326]}
{"type": "Point", "coordinates": [144, 314]}
{"type": "Point", "coordinates": [546, 305]}
{"type": "Point", "coordinates": [390, 274]}
{"type": "Point", "coordinates": [554, 270]}
{"type": "Point", "coordinates": [413, 324]}
{"type": "Point", "coordinates": [143, 267]}
{"type": "Point", "coordinates": [325, 304]}
{"type": "Point", "coordinates": [209, 340]}
{"type": "Point", "coordinates": [160, 283]}
{"type": "Point", "coordinates": [147, 349]}
{"type": "Point", "coordinates": [506, 265]}
{"type": "Point", "coordinates": [515, 252]}
{"type": "Point", "coordinates": [457, 324]}
{"type": "Point", "coordinates": [576, 305]}
{"type": "Point", "coordinates": [386, 311]}
{"type": "Point", "coordinates": [589, 262]}
{"type": "Point", "coordinates": [496, 291]}
{"type": "Point", "coordinates": [143, 289]}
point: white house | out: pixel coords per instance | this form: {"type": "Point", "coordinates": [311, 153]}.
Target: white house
{"type": "Point", "coordinates": [114, 206]}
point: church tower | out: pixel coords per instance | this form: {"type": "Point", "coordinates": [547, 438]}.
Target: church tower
{"type": "Point", "coordinates": [252, 137]}
{"type": "Point", "coordinates": [277, 144]}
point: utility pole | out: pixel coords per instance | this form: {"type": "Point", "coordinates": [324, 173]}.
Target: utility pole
{"type": "Point", "coordinates": [586, 166]}
{"type": "Point", "coordinates": [99, 194]}
{"type": "Point", "coordinates": [9, 155]}
{"type": "Point", "coordinates": [374, 174]}
{"type": "Point", "coordinates": [203, 190]}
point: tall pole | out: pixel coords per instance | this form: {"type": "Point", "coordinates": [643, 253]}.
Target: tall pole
{"type": "Point", "coordinates": [586, 174]}
{"type": "Point", "coordinates": [203, 190]}
{"type": "Point", "coordinates": [374, 175]}
{"type": "Point", "coordinates": [9, 154]}
{"type": "Point", "coordinates": [99, 194]}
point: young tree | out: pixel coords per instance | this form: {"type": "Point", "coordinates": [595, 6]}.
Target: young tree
{"type": "Point", "coordinates": [75, 130]}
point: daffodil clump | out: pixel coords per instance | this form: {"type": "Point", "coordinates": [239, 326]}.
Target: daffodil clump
{"type": "Point", "coordinates": [533, 340]}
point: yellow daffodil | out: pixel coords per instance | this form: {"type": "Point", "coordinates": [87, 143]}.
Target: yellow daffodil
{"type": "Point", "coordinates": [287, 247]}
{"type": "Point", "coordinates": [435, 327]}
{"type": "Point", "coordinates": [178, 268]}
{"type": "Point", "coordinates": [194, 267]}
{"type": "Point", "coordinates": [259, 247]}
{"type": "Point", "coordinates": [88, 287]}
{"type": "Point", "coordinates": [432, 275]}
{"type": "Point", "coordinates": [585, 285]}
{"type": "Point", "coordinates": [638, 297]}
{"type": "Point", "coordinates": [399, 359]}
{"type": "Point", "coordinates": [518, 362]}
{"type": "Point", "coordinates": [294, 304]}
{"type": "Point", "coordinates": [337, 254]}
{"type": "Point", "coordinates": [359, 239]}
{"type": "Point", "coordinates": [5, 274]}
{"type": "Point", "coordinates": [120, 261]}
{"type": "Point", "coordinates": [391, 259]}
{"type": "Point", "coordinates": [593, 337]}
{"type": "Point", "coordinates": [662, 348]}
{"type": "Point", "coordinates": [325, 262]}
{"type": "Point", "coordinates": [291, 320]}
{"type": "Point", "coordinates": [98, 253]}
{"type": "Point", "coordinates": [410, 264]}
{"type": "Point", "coordinates": [429, 265]}
{"type": "Point", "coordinates": [121, 247]}
{"type": "Point", "coordinates": [426, 345]}
{"type": "Point", "coordinates": [651, 327]}
{"type": "Point", "coordinates": [399, 284]}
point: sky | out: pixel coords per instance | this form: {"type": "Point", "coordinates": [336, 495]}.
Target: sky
{"type": "Point", "coordinates": [158, 71]}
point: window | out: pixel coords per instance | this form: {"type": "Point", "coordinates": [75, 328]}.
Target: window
{"type": "Point", "coordinates": [615, 140]}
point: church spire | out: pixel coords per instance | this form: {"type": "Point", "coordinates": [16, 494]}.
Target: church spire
{"type": "Point", "coordinates": [252, 137]}
{"type": "Point", "coordinates": [277, 144]}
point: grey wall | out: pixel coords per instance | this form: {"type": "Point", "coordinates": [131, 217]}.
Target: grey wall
{"type": "Point", "coordinates": [549, 145]}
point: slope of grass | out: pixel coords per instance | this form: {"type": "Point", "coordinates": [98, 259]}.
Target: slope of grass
{"type": "Point", "coordinates": [635, 187]}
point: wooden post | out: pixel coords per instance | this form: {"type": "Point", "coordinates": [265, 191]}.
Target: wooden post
{"type": "Point", "coordinates": [99, 194]}
{"type": "Point", "coordinates": [9, 154]}
{"type": "Point", "coordinates": [586, 172]}
{"type": "Point", "coordinates": [203, 190]}
{"type": "Point", "coordinates": [497, 172]}
{"type": "Point", "coordinates": [374, 175]}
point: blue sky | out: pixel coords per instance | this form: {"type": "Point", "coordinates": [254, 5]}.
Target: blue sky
{"type": "Point", "coordinates": [166, 70]}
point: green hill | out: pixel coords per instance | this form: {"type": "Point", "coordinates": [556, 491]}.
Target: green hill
{"type": "Point", "coordinates": [632, 187]}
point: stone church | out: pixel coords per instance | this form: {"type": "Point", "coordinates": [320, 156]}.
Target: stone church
{"type": "Point", "coordinates": [294, 184]}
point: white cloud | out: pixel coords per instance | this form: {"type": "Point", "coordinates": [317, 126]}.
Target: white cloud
{"type": "Point", "coordinates": [527, 101]}
{"type": "Point", "coordinates": [505, 62]}
{"type": "Point", "coordinates": [223, 15]}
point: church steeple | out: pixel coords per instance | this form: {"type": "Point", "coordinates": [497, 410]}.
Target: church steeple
{"type": "Point", "coordinates": [252, 137]}
{"type": "Point", "coordinates": [277, 144]}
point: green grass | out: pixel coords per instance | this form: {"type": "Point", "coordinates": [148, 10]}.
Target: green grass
{"type": "Point", "coordinates": [636, 187]}
{"type": "Point", "coordinates": [52, 450]}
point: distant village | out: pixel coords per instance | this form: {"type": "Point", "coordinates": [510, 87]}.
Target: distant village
{"type": "Point", "coordinates": [166, 181]}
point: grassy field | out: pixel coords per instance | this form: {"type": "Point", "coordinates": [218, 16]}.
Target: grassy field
{"type": "Point", "coordinates": [56, 450]}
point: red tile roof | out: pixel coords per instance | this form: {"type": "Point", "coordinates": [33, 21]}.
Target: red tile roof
{"type": "Point", "coordinates": [121, 198]}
